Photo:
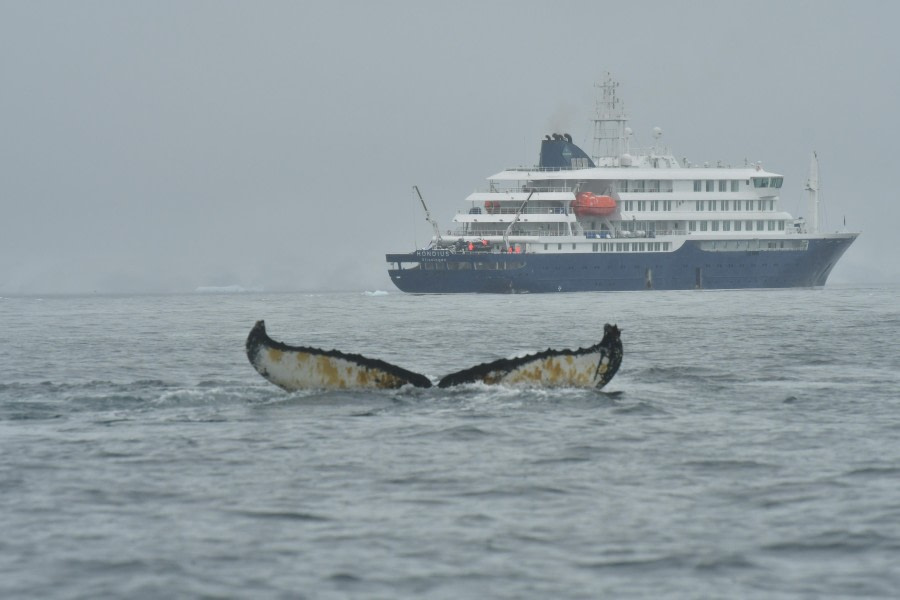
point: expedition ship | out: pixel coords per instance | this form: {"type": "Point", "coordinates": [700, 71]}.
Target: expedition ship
{"type": "Point", "coordinates": [623, 219]}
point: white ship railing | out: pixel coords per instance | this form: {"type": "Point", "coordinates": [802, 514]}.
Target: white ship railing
{"type": "Point", "coordinates": [511, 210]}
{"type": "Point", "coordinates": [519, 188]}
{"type": "Point", "coordinates": [588, 234]}
{"type": "Point", "coordinates": [522, 169]}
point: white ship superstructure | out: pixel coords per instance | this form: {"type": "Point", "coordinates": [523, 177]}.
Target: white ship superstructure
{"type": "Point", "coordinates": [625, 202]}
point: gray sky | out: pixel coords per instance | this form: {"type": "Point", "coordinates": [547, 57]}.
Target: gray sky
{"type": "Point", "coordinates": [163, 146]}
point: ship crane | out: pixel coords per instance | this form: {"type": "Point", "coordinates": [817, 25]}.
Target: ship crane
{"type": "Point", "coordinates": [514, 221]}
{"type": "Point", "coordinates": [434, 225]}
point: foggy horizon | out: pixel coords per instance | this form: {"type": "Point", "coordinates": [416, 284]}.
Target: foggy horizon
{"type": "Point", "coordinates": [170, 147]}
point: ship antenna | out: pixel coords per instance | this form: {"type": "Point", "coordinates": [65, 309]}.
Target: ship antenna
{"type": "Point", "coordinates": [515, 219]}
{"type": "Point", "coordinates": [610, 131]}
{"type": "Point", "coordinates": [812, 194]}
{"type": "Point", "coordinates": [434, 225]}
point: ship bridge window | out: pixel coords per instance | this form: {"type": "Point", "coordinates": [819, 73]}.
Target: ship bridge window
{"type": "Point", "coordinates": [698, 185]}
{"type": "Point", "coordinates": [764, 182]}
{"type": "Point", "coordinates": [722, 184]}
{"type": "Point", "coordinates": [710, 185]}
{"type": "Point", "coordinates": [734, 185]}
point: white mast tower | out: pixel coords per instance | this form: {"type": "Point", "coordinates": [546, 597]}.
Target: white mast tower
{"type": "Point", "coordinates": [812, 194]}
{"type": "Point", "coordinates": [610, 131]}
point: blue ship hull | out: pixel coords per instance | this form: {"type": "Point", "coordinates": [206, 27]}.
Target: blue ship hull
{"type": "Point", "coordinates": [689, 267]}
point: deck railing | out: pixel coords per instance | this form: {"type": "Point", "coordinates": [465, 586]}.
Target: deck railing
{"type": "Point", "coordinates": [503, 210]}
{"type": "Point", "coordinates": [588, 234]}
{"type": "Point", "coordinates": [518, 188]}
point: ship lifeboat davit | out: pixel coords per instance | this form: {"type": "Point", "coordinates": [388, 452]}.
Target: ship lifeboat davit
{"type": "Point", "coordinates": [587, 204]}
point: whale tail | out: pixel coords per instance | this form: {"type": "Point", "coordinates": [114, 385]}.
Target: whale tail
{"type": "Point", "coordinates": [302, 367]}
{"type": "Point", "coordinates": [591, 367]}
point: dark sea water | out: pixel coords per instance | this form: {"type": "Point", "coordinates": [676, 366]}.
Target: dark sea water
{"type": "Point", "coordinates": [749, 447]}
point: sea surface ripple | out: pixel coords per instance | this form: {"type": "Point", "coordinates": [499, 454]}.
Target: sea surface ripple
{"type": "Point", "coordinates": [749, 447]}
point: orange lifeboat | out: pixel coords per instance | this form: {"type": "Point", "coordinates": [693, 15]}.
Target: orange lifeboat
{"type": "Point", "coordinates": [587, 204]}
{"type": "Point", "coordinates": [491, 206]}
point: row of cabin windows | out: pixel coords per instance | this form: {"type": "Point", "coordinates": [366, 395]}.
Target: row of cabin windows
{"type": "Point", "coordinates": [736, 225]}
{"type": "Point", "coordinates": [735, 205]}
{"type": "Point", "coordinates": [623, 246]}
{"type": "Point", "coordinates": [710, 185]}
{"type": "Point", "coordinates": [642, 205]}
{"type": "Point", "coordinates": [642, 185]}
{"type": "Point", "coordinates": [703, 205]}
{"type": "Point", "coordinates": [700, 185]}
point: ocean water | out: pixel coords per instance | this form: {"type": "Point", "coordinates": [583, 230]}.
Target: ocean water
{"type": "Point", "coordinates": [749, 447]}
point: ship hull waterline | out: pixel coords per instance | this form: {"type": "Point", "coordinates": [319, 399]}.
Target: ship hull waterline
{"type": "Point", "coordinates": [687, 268]}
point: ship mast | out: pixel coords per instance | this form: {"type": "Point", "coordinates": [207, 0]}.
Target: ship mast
{"type": "Point", "coordinates": [610, 131]}
{"type": "Point", "coordinates": [812, 194]}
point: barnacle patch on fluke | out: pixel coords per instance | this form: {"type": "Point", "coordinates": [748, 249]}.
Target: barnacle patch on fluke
{"type": "Point", "coordinates": [302, 367]}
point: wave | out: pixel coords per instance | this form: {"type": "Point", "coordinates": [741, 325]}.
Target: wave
{"type": "Point", "coordinates": [46, 399]}
{"type": "Point", "coordinates": [843, 542]}
{"type": "Point", "coordinates": [375, 293]}
{"type": "Point", "coordinates": [227, 289]}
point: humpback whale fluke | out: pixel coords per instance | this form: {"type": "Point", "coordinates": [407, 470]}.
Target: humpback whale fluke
{"type": "Point", "coordinates": [301, 367]}
{"type": "Point", "coordinates": [591, 367]}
